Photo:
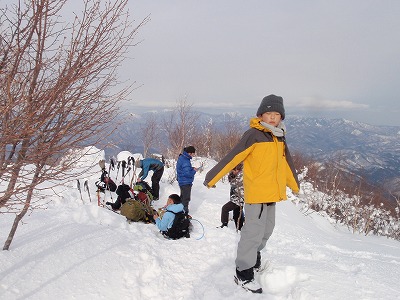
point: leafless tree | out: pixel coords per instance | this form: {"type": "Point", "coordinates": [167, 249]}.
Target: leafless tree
{"type": "Point", "coordinates": [150, 133]}
{"type": "Point", "coordinates": [350, 200]}
{"type": "Point", "coordinates": [58, 90]}
{"type": "Point", "coordinates": [228, 137]}
{"type": "Point", "coordinates": [206, 134]}
{"type": "Point", "coordinates": [180, 128]}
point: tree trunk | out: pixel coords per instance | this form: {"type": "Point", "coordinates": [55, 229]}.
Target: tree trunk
{"type": "Point", "coordinates": [15, 173]}
{"type": "Point", "coordinates": [13, 230]}
{"type": "Point", "coordinates": [23, 212]}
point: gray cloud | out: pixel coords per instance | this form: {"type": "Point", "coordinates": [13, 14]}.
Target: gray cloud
{"type": "Point", "coordinates": [324, 56]}
{"type": "Point", "coordinates": [233, 53]}
{"type": "Point", "coordinates": [314, 103]}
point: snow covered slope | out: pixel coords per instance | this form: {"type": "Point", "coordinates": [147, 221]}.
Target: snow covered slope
{"type": "Point", "coordinates": [76, 251]}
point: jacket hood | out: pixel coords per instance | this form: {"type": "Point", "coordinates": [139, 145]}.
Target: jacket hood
{"type": "Point", "coordinates": [255, 123]}
{"type": "Point", "coordinates": [279, 130]}
{"type": "Point", "coordinates": [175, 207]}
{"type": "Point", "coordinates": [187, 155]}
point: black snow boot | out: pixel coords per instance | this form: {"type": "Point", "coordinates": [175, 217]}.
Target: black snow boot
{"type": "Point", "coordinates": [258, 262]}
{"type": "Point", "coordinates": [245, 279]}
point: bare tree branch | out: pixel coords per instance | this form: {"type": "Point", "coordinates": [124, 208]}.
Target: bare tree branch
{"type": "Point", "coordinates": [59, 88]}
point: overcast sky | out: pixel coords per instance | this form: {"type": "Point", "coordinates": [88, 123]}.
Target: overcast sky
{"type": "Point", "coordinates": [336, 58]}
{"type": "Point", "coordinates": [325, 58]}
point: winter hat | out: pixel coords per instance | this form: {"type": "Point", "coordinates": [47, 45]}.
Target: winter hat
{"type": "Point", "coordinates": [189, 149]}
{"type": "Point", "coordinates": [175, 198]}
{"type": "Point", "coordinates": [138, 163]}
{"type": "Point", "coordinates": [271, 103]}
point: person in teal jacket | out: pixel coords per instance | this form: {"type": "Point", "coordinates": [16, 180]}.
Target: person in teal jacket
{"type": "Point", "coordinates": [155, 165]}
{"type": "Point", "coordinates": [173, 205]}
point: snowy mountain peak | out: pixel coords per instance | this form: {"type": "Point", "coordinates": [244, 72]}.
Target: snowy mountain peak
{"type": "Point", "coordinates": [356, 132]}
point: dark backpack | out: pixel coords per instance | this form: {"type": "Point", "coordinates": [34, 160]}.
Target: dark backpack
{"type": "Point", "coordinates": [180, 227]}
{"type": "Point", "coordinates": [105, 183]}
{"type": "Point", "coordinates": [124, 191]}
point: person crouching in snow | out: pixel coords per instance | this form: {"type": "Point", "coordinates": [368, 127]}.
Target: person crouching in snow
{"type": "Point", "coordinates": [267, 170]}
{"type": "Point", "coordinates": [155, 165]}
{"type": "Point", "coordinates": [174, 205]}
{"type": "Point", "coordinates": [236, 202]}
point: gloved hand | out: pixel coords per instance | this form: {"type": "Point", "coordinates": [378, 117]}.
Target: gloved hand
{"type": "Point", "coordinates": [300, 195]}
{"type": "Point", "coordinates": [231, 176]}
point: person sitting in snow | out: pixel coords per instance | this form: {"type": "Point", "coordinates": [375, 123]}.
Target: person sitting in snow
{"type": "Point", "coordinates": [165, 218]}
{"type": "Point", "coordinates": [155, 165]}
{"type": "Point", "coordinates": [236, 202]}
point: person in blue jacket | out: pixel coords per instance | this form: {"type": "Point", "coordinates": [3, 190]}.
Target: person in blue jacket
{"type": "Point", "coordinates": [185, 175]}
{"type": "Point", "coordinates": [173, 205]}
{"type": "Point", "coordinates": [155, 165]}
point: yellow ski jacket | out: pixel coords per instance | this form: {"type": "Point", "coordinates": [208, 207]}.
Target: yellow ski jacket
{"type": "Point", "coordinates": [267, 166]}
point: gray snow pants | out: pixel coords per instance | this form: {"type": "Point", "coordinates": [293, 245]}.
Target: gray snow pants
{"type": "Point", "coordinates": [258, 227]}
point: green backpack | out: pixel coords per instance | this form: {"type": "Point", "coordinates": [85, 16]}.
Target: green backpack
{"type": "Point", "coordinates": [135, 211]}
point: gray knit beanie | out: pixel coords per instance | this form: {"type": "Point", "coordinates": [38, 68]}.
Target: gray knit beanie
{"type": "Point", "coordinates": [272, 103]}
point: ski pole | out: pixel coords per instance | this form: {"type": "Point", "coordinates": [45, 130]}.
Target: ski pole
{"type": "Point", "coordinates": [86, 187]}
{"type": "Point", "coordinates": [133, 171]}
{"type": "Point", "coordinates": [107, 179]}
{"type": "Point", "coordinates": [112, 163]}
{"type": "Point", "coordinates": [116, 177]}
{"type": "Point", "coordinates": [123, 163]}
{"type": "Point", "coordinates": [98, 197]}
{"type": "Point", "coordinates": [130, 163]}
{"type": "Point", "coordinates": [127, 172]}
{"type": "Point", "coordinates": [79, 188]}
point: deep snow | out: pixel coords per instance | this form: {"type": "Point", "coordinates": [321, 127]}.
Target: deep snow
{"type": "Point", "coordinates": [76, 251]}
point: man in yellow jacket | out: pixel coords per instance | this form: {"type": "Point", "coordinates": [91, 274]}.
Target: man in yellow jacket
{"type": "Point", "coordinates": [267, 170]}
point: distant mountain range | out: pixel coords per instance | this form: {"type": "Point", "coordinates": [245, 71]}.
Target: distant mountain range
{"type": "Point", "coordinates": [373, 151]}
{"type": "Point", "coordinates": [370, 150]}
